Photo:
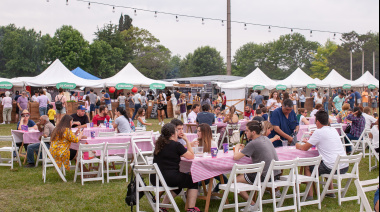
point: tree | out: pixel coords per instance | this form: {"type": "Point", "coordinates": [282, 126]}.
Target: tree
{"type": "Point", "coordinates": [249, 57]}
{"type": "Point", "coordinates": [174, 67]}
{"type": "Point", "coordinates": [138, 39]}
{"type": "Point", "coordinates": [71, 48]}
{"type": "Point", "coordinates": [320, 68]}
{"type": "Point", "coordinates": [125, 22]}
{"type": "Point", "coordinates": [104, 59]}
{"type": "Point", "coordinates": [205, 61]}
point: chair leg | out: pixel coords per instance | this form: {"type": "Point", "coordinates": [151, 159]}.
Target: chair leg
{"type": "Point", "coordinates": [274, 199]}
{"type": "Point", "coordinates": [76, 171]}
{"type": "Point", "coordinates": [298, 191]}
{"type": "Point", "coordinates": [339, 192]}
{"type": "Point", "coordinates": [236, 202]}
{"type": "Point", "coordinates": [223, 202]}
{"type": "Point", "coordinates": [108, 172]}
{"type": "Point", "coordinates": [319, 195]}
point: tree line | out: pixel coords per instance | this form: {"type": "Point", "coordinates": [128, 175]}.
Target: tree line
{"type": "Point", "coordinates": [26, 52]}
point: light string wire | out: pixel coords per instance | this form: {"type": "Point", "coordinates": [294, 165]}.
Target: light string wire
{"type": "Point", "coordinates": [211, 19]}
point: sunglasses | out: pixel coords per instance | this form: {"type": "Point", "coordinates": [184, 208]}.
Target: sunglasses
{"type": "Point", "coordinates": [25, 115]}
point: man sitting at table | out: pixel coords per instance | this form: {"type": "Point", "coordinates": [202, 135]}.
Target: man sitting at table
{"type": "Point", "coordinates": [99, 119]}
{"type": "Point", "coordinates": [46, 127]}
{"type": "Point", "coordinates": [194, 113]}
{"type": "Point", "coordinates": [285, 124]}
{"type": "Point", "coordinates": [205, 117]}
{"type": "Point", "coordinates": [181, 135]}
{"type": "Point", "coordinates": [259, 149]}
{"type": "Point", "coordinates": [329, 145]}
{"type": "Point", "coordinates": [258, 116]}
{"type": "Point", "coordinates": [80, 119]}
{"type": "Point", "coordinates": [248, 112]}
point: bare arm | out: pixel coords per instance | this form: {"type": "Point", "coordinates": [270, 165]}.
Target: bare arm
{"type": "Point", "coordinates": [143, 123]}
{"type": "Point", "coordinates": [305, 121]}
{"type": "Point", "coordinates": [304, 147]}
{"type": "Point", "coordinates": [278, 130]}
{"type": "Point", "coordinates": [237, 154]}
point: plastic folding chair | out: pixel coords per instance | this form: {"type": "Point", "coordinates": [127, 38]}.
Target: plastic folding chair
{"type": "Point", "coordinates": [361, 143]}
{"type": "Point", "coordinates": [119, 159]}
{"type": "Point", "coordinates": [81, 162]}
{"type": "Point", "coordinates": [309, 180]}
{"type": "Point", "coordinates": [154, 201]}
{"type": "Point", "coordinates": [341, 160]}
{"type": "Point", "coordinates": [236, 188]}
{"type": "Point", "coordinates": [214, 130]}
{"type": "Point", "coordinates": [343, 136]}
{"type": "Point", "coordinates": [362, 188]}
{"type": "Point", "coordinates": [372, 153]}
{"type": "Point", "coordinates": [9, 150]}
{"type": "Point", "coordinates": [107, 134]}
{"type": "Point", "coordinates": [138, 154]}
{"type": "Point", "coordinates": [226, 135]}
{"type": "Point", "coordinates": [290, 181]}
{"type": "Point", "coordinates": [140, 129]}
{"type": "Point", "coordinates": [45, 140]}
{"type": "Point", "coordinates": [48, 161]}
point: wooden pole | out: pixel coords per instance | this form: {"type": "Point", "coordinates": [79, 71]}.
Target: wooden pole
{"type": "Point", "coordinates": [229, 35]}
{"type": "Point", "coordinates": [351, 65]}
{"type": "Point", "coordinates": [374, 64]}
{"type": "Point", "coordinates": [363, 63]}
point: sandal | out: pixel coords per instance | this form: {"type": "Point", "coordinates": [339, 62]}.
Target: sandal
{"type": "Point", "coordinates": [195, 209]}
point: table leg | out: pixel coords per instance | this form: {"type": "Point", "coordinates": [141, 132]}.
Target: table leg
{"type": "Point", "coordinates": [208, 198]}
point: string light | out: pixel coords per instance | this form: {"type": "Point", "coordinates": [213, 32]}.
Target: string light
{"type": "Point", "coordinates": [334, 36]}
{"type": "Point", "coordinates": [291, 30]}
{"type": "Point", "coordinates": [155, 14]}
{"type": "Point", "coordinates": [176, 18]}
{"type": "Point", "coordinates": [89, 5]}
{"type": "Point", "coordinates": [245, 26]}
{"type": "Point", "coordinates": [113, 10]}
{"type": "Point", "coordinates": [311, 33]}
{"type": "Point", "coordinates": [67, 2]}
{"type": "Point", "coordinates": [212, 19]}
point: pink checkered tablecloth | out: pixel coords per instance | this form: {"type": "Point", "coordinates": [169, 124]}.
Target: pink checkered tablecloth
{"type": "Point", "coordinates": [220, 126]}
{"type": "Point", "coordinates": [30, 137]}
{"type": "Point", "coordinates": [87, 131]}
{"type": "Point", "coordinates": [305, 128]}
{"type": "Point", "coordinates": [206, 168]}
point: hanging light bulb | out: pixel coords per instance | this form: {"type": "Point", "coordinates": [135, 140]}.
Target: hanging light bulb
{"type": "Point", "coordinates": [155, 14]}
{"type": "Point", "coordinates": [47, 0]}
{"type": "Point", "coordinates": [135, 12]}
{"type": "Point", "coordinates": [176, 19]}
{"type": "Point", "coordinates": [89, 5]}
{"type": "Point", "coordinates": [311, 33]}
{"type": "Point", "coordinates": [222, 23]}
{"type": "Point", "coordinates": [203, 21]}
{"type": "Point", "coordinates": [67, 2]}
{"type": "Point", "coordinates": [270, 29]}
{"type": "Point", "coordinates": [113, 9]}
{"type": "Point", "coordinates": [292, 30]}
{"type": "Point", "coordinates": [245, 26]}
{"type": "Point", "coordinates": [334, 36]}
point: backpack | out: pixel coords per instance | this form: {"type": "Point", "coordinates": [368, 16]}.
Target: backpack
{"type": "Point", "coordinates": [97, 101]}
{"type": "Point", "coordinates": [130, 199]}
{"type": "Point", "coordinates": [59, 104]}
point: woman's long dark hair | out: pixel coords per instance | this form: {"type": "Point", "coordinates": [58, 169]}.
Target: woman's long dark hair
{"type": "Point", "coordinates": [206, 139]}
{"type": "Point", "coordinates": [206, 96]}
{"type": "Point", "coordinates": [167, 131]}
{"type": "Point", "coordinates": [61, 128]}
{"type": "Point", "coordinates": [123, 112]}
{"type": "Point", "coordinates": [357, 109]}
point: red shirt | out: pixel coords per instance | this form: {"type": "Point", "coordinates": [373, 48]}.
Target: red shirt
{"type": "Point", "coordinates": [97, 120]}
{"type": "Point", "coordinates": [224, 100]}
{"type": "Point", "coordinates": [249, 114]}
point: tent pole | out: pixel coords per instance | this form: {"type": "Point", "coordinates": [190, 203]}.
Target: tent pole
{"type": "Point", "coordinates": [351, 65]}
{"type": "Point", "coordinates": [374, 64]}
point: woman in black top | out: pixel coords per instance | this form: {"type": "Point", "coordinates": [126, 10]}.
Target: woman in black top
{"type": "Point", "coordinates": [167, 155]}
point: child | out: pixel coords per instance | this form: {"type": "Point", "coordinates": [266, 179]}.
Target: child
{"type": "Point", "coordinates": [268, 128]}
{"type": "Point", "coordinates": [51, 114]}
{"type": "Point", "coordinates": [264, 112]}
{"type": "Point", "coordinates": [141, 122]}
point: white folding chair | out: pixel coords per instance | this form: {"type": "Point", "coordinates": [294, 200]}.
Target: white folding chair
{"type": "Point", "coordinates": [312, 128]}
{"type": "Point", "coordinates": [290, 181]}
{"type": "Point", "coordinates": [336, 175]}
{"type": "Point", "coordinates": [372, 153]}
{"type": "Point", "coordinates": [119, 159]}
{"type": "Point", "coordinates": [362, 188]}
{"type": "Point", "coordinates": [230, 127]}
{"type": "Point", "coordinates": [140, 129]}
{"type": "Point", "coordinates": [81, 162]}
{"type": "Point", "coordinates": [236, 188]}
{"type": "Point", "coordinates": [107, 134]}
{"type": "Point", "coordinates": [157, 189]}
{"type": "Point", "coordinates": [216, 137]}
{"type": "Point", "coordinates": [9, 150]}
{"type": "Point", "coordinates": [309, 180]}
{"type": "Point", "coordinates": [138, 154]}
{"type": "Point", "coordinates": [48, 161]}
{"type": "Point", "coordinates": [214, 130]}
{"type": "Point", "coordinates": [45, 140]}
{"type": "Point", "coordinates": [361, 143]}
{"type": "Point", "coordinates": [343, 136]}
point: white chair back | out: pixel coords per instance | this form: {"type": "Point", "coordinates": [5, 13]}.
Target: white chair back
{"type": "Point", "coordinates": [116, 158]}
{"type": "Point", "coordinates": [9, 149]}
{"type": "Point", "coordinates": [366, 186]}
{"type": "Point", "coordinates": [140, 129]}
{"type": "Point", "coordinates": [48, 161]}
{"type": "Point", "coordinates": [107, 134]}
{"type": "Point", "coordinates": [45, 140]}
{"type": "Point", "coordinates": [214, 129]}
{"type": "Point", "coordinates": [138, 154]}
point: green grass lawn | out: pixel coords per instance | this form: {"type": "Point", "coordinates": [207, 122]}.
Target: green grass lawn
{"type": "Point", "coordinates": [22, 189]}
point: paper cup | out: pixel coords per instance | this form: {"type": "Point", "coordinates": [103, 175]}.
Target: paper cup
{"type": "Point", "coordinates": [214, 152]}
{"type": "Point", "coordinates": [92, 134]}
{"type": "Point", "coordinates": [92, 125]}
{"type": "Point", "coordinates": [225, 148]}
{"type": "Point", "coordinates": [88, 125]}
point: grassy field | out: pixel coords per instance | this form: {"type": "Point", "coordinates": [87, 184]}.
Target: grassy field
{"type": "Point", "coordinates": [22, 189]}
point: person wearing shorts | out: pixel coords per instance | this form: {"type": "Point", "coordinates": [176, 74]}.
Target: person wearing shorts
{"type": "Point", "coordinates": [107, 100]}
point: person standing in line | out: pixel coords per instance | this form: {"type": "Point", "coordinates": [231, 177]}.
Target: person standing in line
{"type": "Point", "coordinates": [224, 104]}
{"type": "Point", "coordinates": [374, 100]}
{"type": "Point", "coordinates": [48, 95]}
{"type": "Point", "coordinates": [177, 94]}
{"type": "Point", "coordinates": [326, 100]}
{"type": "Point", "coordinates": [161, 101]}
{"type": "Point", "coordinates": [121, 99]}
{"type": "Point", "coordinates": [131, 104]}
{"type": "Point", "coordinates": [273, 103]}
{"type": "Point", "coordinates": [182, 104]}
{"type": "Point", "coordinates": [150, 96]}
{"type": "Point", "coordinates": [358, 97]}
{"type": "Point", "coordinates": [7, 108]}
{"type": "Point", "coordinates": [144, 101]}
{"type": "Point", "coordinates": [137, 101]}
{"type": "Point", "coordinates": [22, 102]}
{"type": "Point", "coordinates": [302, 99]}
{"type": "Point", "coordinates": [253, 99]}
{"type": "Point", "coordinates": [174, 104]}
{"type": "Point", "coordinates": [315, 95]}
{"type": "Point", "coordinates": [62, 99]}
{"type": "Point", "coordinates": [35, 96]}
{"type": "Point", "coordinates": [97, 104]}
{"type": "Point", "coordinates": [190, 101]}
{"type": "Point", "coordinates": [15, 98]}
{"type": "Point", "coordinates": [206, 100]}
{"type": "Point", "coordinates": [365, 97]}
{"type": "Point", "coordinates": [43, 103]}
{"type": "Point", "coordinates": [107, 100]}
{"type": "Point", "coordinates": [167, 98]}
{"type": "Point", "coordinates": [351, 98]}
{"type": "Point", "coordinates": [93, 100]}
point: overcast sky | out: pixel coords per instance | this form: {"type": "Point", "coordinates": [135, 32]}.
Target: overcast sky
{"type": "Point", "coordinates": [188, 34]}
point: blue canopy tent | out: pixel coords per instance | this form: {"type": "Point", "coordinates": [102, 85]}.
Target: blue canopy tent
{"type": "Point", "coordinates": [83, 74]}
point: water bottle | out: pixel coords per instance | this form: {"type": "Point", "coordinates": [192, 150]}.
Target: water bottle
{"type": "Point", "coordinates": [110, 125]}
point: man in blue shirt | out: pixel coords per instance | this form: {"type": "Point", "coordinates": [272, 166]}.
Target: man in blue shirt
{"type": "Point", "coordinates": [107, 99]}
{"type": "Point", "coordinates": [285, 124]}
{"type": "Point", "coordinates": [351, 99]}
{"type": "Point", "coordinates": [358, 97]}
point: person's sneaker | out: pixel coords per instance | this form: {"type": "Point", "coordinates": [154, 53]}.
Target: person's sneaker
{"type": "Point", "coordinates": [278, 194]}
{"type": "Point", "coordinates": [195, 209]}
{"type": "Point", "coordinates": [331, 195]}
{"type": "Point", "coordinates": [250, 208]}
{"type": "Point", "coordinates": [30, 165]}
{"type": "Point", "coordinates": [309, 198]}
{"type": "Point", "coordinates": [164, 210]}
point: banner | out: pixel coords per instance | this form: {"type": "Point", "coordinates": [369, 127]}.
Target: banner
{"type": "Point", "coordinates": [66, 85]}
{"type": "Point", "coordinates": [157, 86]}
{"type": "Point", "coordinates": [124, 86]}
{"type": "Point", "coordinates": [6, 85]}
{"type": "Point", "coordinates": [281, 87]}
{"type": "Point", "coordinates": [259, 87]}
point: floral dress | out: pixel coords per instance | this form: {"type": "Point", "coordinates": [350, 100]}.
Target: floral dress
{"type": "Point", "coordinates": [60, 149]}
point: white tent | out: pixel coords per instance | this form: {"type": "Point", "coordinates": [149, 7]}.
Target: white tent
{"type": "Point", "coordinates": [130, 75]}
{"type": "Point", "coordinates": [15, 82]}
{"type": "Point", "coordinates": [366, 80]}
{"type": "Point", "coordinates": [335, 80]}
{"type": "Point", "coordinates": [256, 78]}
{"type": "Point", "coordinates": [298, 79]}
{"type": "Point", "coordinates": [57, 73]}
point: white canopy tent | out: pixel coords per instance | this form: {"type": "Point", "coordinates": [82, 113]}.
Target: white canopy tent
{"type": "Point", "coordinates": [256, 78]}
{"type": "Point", "coordinates": [15, 82]}
{"type": "Point", "coordinates": [130, 75]}
{"type": "Point", "coordinates": [335, 80]}
{"type": "Point", "coordinates": [366, 80]}
{"type": "Point", "coordinates": [298, 79]}
{"type": "Point", "coordinates": [57, 73]}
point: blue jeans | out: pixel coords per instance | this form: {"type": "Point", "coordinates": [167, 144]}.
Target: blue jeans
{"type": "Point", "coordinates": [352, 105]}
{"type": "Point", "coordinates": [326, 106]}
{"type": "Point", "coordinates": [43, 111]}
{"type": "Point", "coordinates": [137, 107]}
{"type": "Point", "coordinates": [122, 106]}
{"type": "Point", "coordinates": [92, 107]}
{"type": "Point", "coordinates": [351, 137]}
{"type": "Point", "coordinates": [33, 148]}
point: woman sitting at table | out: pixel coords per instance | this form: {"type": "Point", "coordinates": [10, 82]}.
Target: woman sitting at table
{"type": "Point", "coordinates": [167, 155]}
{"type": "Point", "coordinates": [268, 128]}
{"type": "Point", "coordinates": [25, 115]}
{"type": "Point", "coordinates": [303, 119]}
{"type": "Point", "coordinates": [259, 149]}
{"type": "Point", "coordinates": [317, 108]}
{"type": "Point", "coordinates": [141, 122]}
{"type": "Point", "coordinates": [342, 115]}
{"type": "Point", "coordinates": [357, 127]}
{"type": "Point", "coordinates": [61, 139]}
{"type": "Point", "coordinates": [122, 121]}
{"type": "Point", "coordinates": [232, 117]}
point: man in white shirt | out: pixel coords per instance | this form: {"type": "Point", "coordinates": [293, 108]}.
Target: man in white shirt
{"type": "Point", "coordinates": [369, 120]}
{"type": "Point", "coordinates": [48, 95]}
{"type": "Point", "coordinates": [329, 145]}
{"type": "Point", "coordinates": [137, 100]}
{"type": "Point", "coordinates": [194, 113]}
{"type": "Point", "coordinates": [35, 96]}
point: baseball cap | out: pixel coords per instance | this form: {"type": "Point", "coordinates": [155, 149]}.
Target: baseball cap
{"type": "Point", "coordinates": [81, 107]}
{"type": "Point", "coordinates": [223, 92]}
{"type": "Point", "coordinates": [103, 91]}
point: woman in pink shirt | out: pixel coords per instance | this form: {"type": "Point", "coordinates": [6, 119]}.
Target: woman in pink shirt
{"type": "Point", "coordinates": [7, 108]}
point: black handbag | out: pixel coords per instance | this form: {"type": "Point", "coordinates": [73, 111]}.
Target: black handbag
{"type": "Point", "coordinates": [348, 129]}
{"type": "Point", "coordinates": [130, 199]}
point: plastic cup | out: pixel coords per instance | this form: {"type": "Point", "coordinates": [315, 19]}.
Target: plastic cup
{"type": "Point", "coordinates": [92, 125]}
{"type": "Point", "coordinates": [214, 152]}
{"type": "Point", "coordinates": [92, 134]}
{"type": "Point", "coordinates": [285, 143]}
{"type": "Point", "coordinates": [88, 125]}
{"type": "Point", "coordinates": [225, 148]}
